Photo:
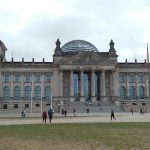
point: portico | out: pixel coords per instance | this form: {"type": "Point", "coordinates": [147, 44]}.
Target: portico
{"type": "Point", "coordinates": [86, 84]}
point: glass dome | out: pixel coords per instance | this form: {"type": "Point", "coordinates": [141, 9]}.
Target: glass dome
{"type": "Point", "coordinates": [78, 45]}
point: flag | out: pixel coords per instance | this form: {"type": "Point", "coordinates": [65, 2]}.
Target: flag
{"type": "Point", "coordinates": [147, 55]}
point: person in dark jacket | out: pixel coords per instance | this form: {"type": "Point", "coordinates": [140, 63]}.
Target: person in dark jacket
{"type": "Point", "coordinates": [44, 116]}
{"type": "Point", "coordinates": [50, 114]}
{"type": "Point", "coordinates": [112, 115]}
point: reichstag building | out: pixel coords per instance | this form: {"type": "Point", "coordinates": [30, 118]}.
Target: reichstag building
{"type": "Point", "coordinates": [79, 73]}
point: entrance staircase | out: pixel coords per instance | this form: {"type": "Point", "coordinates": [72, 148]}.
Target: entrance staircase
{"type": "Point", "coordinates": [81, 107]}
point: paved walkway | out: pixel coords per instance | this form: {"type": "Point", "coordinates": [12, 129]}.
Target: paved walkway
{"type": "Point", "coordinates": [14, 119]}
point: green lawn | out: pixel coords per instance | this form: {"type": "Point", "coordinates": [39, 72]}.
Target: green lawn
{"type": "Point", "coordinates": [96, 136]}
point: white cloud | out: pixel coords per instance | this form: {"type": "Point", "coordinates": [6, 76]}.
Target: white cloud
{"type": "Point", "coordinates": [34, 25]}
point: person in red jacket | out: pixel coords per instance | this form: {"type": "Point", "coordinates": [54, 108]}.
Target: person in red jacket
{"type": "Point", "coordinates": [44, 116]}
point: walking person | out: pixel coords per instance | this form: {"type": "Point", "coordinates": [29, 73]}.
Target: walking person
{"type": "Point", "coordinates": [74, 112]}
{"type": "Point", "coordinates": [65, 112]}
{"type": "Point", "coordinates": [44, 116]}
{"type": "Point", "coordinates": [50, 114]}
{"type": "Point", "coordinates": [23, 113]}
{"type": "Point", "coordinates": [112, 115]}
{"type": "Point", "coordinates": [131, 111]}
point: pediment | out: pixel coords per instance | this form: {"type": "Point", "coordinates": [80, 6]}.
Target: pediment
{"type": "Point", "coordinates": [86, 58]}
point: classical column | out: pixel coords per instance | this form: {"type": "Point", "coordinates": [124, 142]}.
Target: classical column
{"type": "Point", "coordinates": [61, 83]}
{"type": "Point", "coordinates": [71, 86]}
{"type": "Point", "coordinates": [93, 97]}
{"type": "Point", "coordinates": [103, 85]}
{"type": "Point", "coordinates": [82, 98]}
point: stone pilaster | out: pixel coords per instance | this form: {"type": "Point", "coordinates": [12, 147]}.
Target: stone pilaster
{"type": "Point", "coordinates": [146, 85]}
{"type": "Point", "coordinates": [61, 83]}
{"type": "Point", "coordinates": [12, 85]}
{"type": "Point", "coordinates": [42, 86]}
{"type": "Point", "coordinates": [22, 85]}
{"type": "Point", "coordinates": [115, 83]}
{"type": "Point", "coordinates": [55, 83]}
{"type": "Point", "coordinates": [127, 85]}
{"type": "Point", "coordinates": [136, 86]}
{"type": "Point", "coordinates": [1, 87]}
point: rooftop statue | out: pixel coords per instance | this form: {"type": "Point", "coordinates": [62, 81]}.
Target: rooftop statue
{"type": "Point", "coordinates": [58, 43]}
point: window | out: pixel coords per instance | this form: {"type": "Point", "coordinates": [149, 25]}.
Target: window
{"type": "Point", "coordinates": [26, 105]}
{"type": "Point", "coordinates": [132, 92]}
{"type": "Point", "coordinates": [5, 106]}
{"type": "Point", "coordinates": [122, 92]}
{"type": "Point", "coordinates": [7, 77]}
{"type": "Point", "coordinates": [37, 78]}
{"type": "Point", "coordinates": [27, 92]}
{"type": "Point", "coordinates": [141, 78]}
{"type": "Point", "coordinates": [28, 77]}
{"type": "Point", "coordinates": [48, 78]}
{"type": "Point", "coordinates": [141, 92]}
{"type": "Point", "coordinates": [37, 105]}
{"type": "Point", "coordinates": [38, 92]}
{"type": "Point", "coordinates": [122, 78]}
{"type": "Point", "coordinates": [15, 105]}
{"type": "Point", "coordinates": [48, 92]}
{"type": "Point", "coordinates": [131, 79]}
{"type": "Point", "coordinates": [6, 92]}
{"type": "Point", "coordinates": [17, 92]}
{"type": "Point", "coordinates": [17, 77]}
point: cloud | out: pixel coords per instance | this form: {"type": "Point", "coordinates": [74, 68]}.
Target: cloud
{"type": "Point", "coordinates": [31, 30]}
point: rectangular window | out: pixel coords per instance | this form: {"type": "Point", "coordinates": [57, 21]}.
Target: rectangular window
{"type": "Point", "coordinates": [141, 79]}
{"type": "Point", "coordinates": [17, 78]}
{"type": "Point", "coordinates": [37, 78]}
{"type": "Point", "coordinates": [7, 77]}
{"type": "Point", "coordinates": [28, 77]}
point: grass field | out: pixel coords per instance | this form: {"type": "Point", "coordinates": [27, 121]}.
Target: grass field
{"type": "Point", "coordinates": [96, 136]}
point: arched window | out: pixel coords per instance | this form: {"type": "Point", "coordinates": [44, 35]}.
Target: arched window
{"type": "Point", "coordinates": [17, 92]}
{"type": "Point", "coordinates": [48, 92]}
{"type": "Point", "coordinates": [6, 92]}
{"type": "Point", "coordinates": [122, 92]}
{"type": "Point", "coordinates": [27, 92]}
{"type": "Point", "coordinates": [141, 92]}
{"type": "Point", "coordinates": [132, 92]}
{"type": "Point", "coordinates": [38, 92]}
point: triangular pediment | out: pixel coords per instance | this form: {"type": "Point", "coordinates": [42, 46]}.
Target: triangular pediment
{"type": "Point", "coordinates": [86, 58]}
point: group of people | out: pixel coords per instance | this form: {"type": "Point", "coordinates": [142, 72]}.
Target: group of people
{"type": "Point", "coordinates": [48, 114]}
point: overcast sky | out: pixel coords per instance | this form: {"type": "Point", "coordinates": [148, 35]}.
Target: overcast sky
{"type": "Point", "coordinates": [30, 28]}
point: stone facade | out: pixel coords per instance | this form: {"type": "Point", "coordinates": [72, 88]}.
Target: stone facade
{"type": "Point", "coordinates": [79, 72]}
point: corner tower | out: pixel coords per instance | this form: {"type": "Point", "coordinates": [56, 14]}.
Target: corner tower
{"type": "Point", "coordinates": [2, 51]}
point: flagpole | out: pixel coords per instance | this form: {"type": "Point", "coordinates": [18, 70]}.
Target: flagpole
{"type": "Point", "coordinates": [31, 93]}
{"type": "Point", "coordinates": [31, 98]}
{"type": "Point", "coordinates": [148, 70]}
{"type": "Point", "coordinates": [41, 102]}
